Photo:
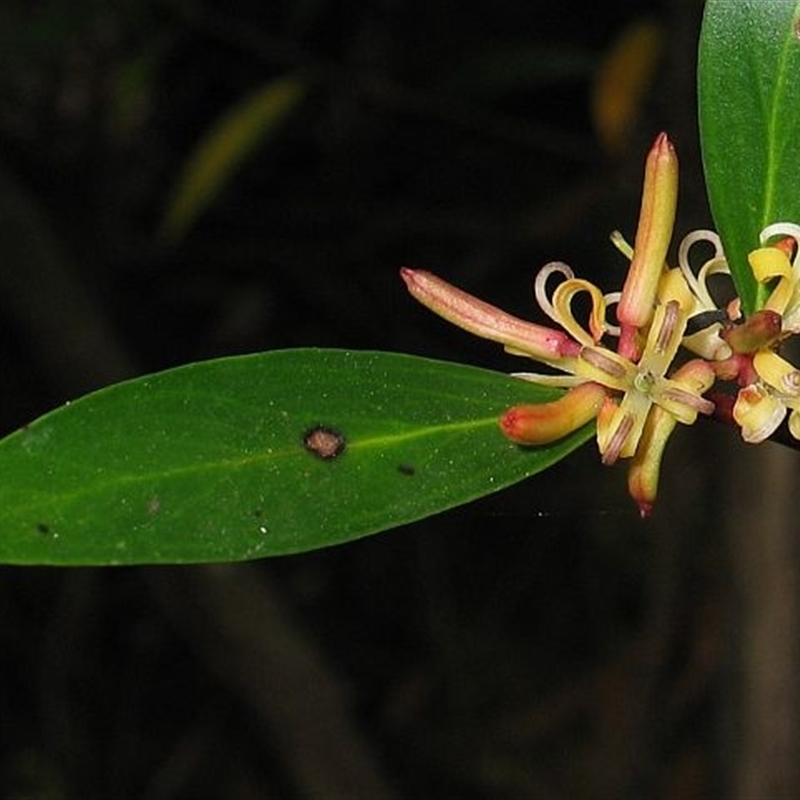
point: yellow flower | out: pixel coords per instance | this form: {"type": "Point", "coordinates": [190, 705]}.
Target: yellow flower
{"type": "Point", "coordinates": [770, 383]}
{"type": "Point", "coordinates": [628, 390]}
{"type": "Point", "coordinates": [643, 384]}
{"type": "Point", "coordinates": [622, 394]}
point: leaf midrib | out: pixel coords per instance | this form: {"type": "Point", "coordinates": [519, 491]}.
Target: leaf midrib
{"type": "Point", "coordinates": [122, 480]}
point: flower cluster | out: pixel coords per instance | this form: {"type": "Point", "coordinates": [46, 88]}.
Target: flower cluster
{"type": "Point", "coordinates": [653, 367]}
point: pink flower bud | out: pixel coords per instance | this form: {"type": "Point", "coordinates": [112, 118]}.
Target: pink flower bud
{"type": "Point", "coordinates": [543, 423]}
{"type": "Point", "coordinates": [653, 235]}
{"type": "Point", "coordinates": [487, 321]}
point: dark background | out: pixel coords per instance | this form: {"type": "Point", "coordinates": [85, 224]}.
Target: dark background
{"type": "Point", "coordinates": [541, 643]}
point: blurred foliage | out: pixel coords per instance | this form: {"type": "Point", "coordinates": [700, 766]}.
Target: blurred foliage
{"type": "Point", "coordinates": [570, 662]}
{"type": "Point", "coordinates": [622, 80]}
{"type": "Point", "coordinates": [225, 147]}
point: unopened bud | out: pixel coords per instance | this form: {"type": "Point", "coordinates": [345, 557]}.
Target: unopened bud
{"type": "Point", "coordinates": [653, 235]}
{"type": "Point", "coordinates": [543, 423]}
{"type": "Point", "coordinates": [487, 321]}
{"type": "Point", "coordinates": [773, 262]}
{"type": "Point", "coordinates": [758, 413]}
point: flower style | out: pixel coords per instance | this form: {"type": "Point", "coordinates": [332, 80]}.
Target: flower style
{"type": "Point", "coordinates": [628, 390]}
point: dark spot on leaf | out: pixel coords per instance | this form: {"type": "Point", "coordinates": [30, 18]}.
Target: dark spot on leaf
{"type": "Point", "coordinates": [259, 515]}
{"type": "Point", "coordinates": [406, 469]}
{"type": "Point", "coordinates": [43, 528]}
{"type": "Point", "coordinates": [324, 441]}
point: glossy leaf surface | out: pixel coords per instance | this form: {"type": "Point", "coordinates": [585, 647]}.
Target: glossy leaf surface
{"type": "Point", "coordinates": [207, 462]}
{"type": "Point", "coordinates": [749, 104]}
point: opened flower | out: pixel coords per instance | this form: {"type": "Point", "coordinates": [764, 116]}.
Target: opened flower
{"type": "Point", "coordinates": [770, 383]}
{"type": "Point", "coordinates": [775, 263]}
{"type": "Point", "coordinates": [628, 389]}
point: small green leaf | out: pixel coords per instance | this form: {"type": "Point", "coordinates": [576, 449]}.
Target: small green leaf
{"type": "Point", "coordinates": [222, 150]}
{"type": "Point", "coordinates": [208, 462]}
{"type": "Point", "coordinates": [749, 104]}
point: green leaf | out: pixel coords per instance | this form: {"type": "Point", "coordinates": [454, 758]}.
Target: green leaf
{"type": "Point", "coordinates": [207, 462]}
{"type": "Point", "coordinates": [223, 149]}
{"type": "Point", "coordinates": [749, 105]}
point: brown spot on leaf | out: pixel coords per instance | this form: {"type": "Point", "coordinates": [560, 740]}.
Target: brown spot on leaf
{"type": "Point", "coordinates": [324, 441]}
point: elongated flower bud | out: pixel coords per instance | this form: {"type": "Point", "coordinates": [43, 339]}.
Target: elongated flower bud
{"type": "Point", "coordinates": [777, 372]}
{"type": "Point", "coordinates": [653, 235]}
{"type": "Point", "coordinates": [543, 423]}
{"type": "Point", "coordinates": [487, 321]}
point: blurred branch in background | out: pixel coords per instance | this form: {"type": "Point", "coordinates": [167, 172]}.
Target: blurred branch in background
{"type": "Point", "coordinates": [242, 631]}
{"type": "Point", "coordinates": [764, 724]}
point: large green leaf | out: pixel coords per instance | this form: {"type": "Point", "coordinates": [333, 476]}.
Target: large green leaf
{"type": "Point", "coordinates": [207, 462]}
{"type": "Point", "coordinates": [749, 104]}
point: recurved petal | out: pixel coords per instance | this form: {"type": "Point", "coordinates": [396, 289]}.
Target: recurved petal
{"type": "Point", "coordinates": [759, 330]}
